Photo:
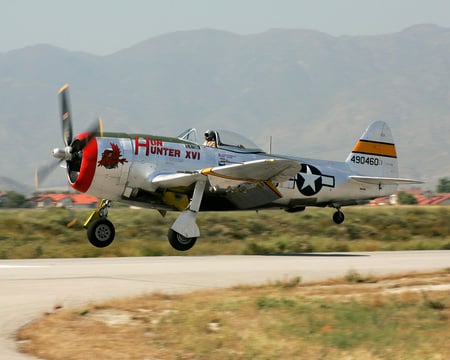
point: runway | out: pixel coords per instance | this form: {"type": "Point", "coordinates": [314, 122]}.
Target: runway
{"type": "Point", "coordinates": [31, 287]}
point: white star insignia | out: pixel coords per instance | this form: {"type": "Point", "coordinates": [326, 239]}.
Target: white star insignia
{"type": "Point", "coordinates": [310, 179]}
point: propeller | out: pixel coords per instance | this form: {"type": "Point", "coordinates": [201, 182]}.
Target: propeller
{"type": "Point", "coordinates": [65, 114]}
{"type": "Point", "coordinates": [72, 152]}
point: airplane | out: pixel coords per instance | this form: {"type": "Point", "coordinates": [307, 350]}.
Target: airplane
{"type": "Point", "coordinates": [227, 172]}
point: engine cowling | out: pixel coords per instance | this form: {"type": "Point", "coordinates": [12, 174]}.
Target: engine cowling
{"type": "Point", "coordinates": [82, 167]}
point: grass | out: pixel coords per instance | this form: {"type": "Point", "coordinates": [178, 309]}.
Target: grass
{"type": "Point", "coordinates": [34, 233]}
{"type": "Point", "coordinates": [287, 319]}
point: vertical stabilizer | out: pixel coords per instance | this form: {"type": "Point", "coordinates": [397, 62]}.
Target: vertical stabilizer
{"type": "Point", "coordinates": [374, 154]}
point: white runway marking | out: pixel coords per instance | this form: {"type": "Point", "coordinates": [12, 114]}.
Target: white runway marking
{"type": "Point", "coordinates": [19, 266]}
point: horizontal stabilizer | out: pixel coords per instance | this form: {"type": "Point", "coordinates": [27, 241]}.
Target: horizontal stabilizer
{"type": "Point", "coordinates": [383, 180]}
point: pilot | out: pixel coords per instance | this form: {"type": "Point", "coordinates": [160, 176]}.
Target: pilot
{"type": "Point", "coordinates": [210, 138]}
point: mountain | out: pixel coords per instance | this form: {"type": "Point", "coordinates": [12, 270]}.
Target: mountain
{"type": "Point", "coordinates": [312, 92]}
{"type": "Point", "coordinates": [8, 184]}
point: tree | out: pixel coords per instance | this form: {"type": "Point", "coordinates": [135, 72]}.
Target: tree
{"type": "Point", "coordinates": [14, 200]}
{"type": "Point", "coordinates": [406, 199]}
{"type": "Point", "coordinates": [443, 185]}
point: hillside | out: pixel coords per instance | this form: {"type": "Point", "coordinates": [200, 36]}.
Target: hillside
{"type": "Point", "coordinates": [312, 92]}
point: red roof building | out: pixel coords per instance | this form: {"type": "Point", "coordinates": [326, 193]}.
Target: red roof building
{"type": "Point", "coordinates": [66, 200]}
{"type": "Point", "coordinates": [422, 197]}
{"type": "Point", "coordinates": [436, 199]}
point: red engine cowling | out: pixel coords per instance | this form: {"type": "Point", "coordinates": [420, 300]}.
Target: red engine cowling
{"type": "Point", "coordinates": [81, 169]}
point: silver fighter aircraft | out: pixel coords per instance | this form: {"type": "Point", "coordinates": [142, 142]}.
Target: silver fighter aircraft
{"type": "Point", "coordinates": [224, 171]}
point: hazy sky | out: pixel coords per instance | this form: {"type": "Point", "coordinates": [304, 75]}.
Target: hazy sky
{"type": "Point", "coordinates": [106, 26]}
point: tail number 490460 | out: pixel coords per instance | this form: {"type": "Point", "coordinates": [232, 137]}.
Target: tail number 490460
{"type": "Point", "coordinates": [366, 160]}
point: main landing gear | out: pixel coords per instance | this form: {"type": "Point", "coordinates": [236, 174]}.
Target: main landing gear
{"type": "Point", "coordinates": [184, 231]}
{"type": "Point", "coordinates": [100, 230]}
{"type": "Point", "coordinates": [182, 234]}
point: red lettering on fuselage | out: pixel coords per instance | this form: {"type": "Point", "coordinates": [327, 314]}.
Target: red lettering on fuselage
{"type": "Point", "coordinates": [139, 144]}
{"type": "Point", "coordinates": [156, 142]}
{"type": "Point", "coordinates": [165, 151]}
{"type": "Point", "coordinates": [155, 147]}
{"type": "Point", "coordinates": [195, 155]}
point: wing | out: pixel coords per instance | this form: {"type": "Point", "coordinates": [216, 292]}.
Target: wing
{"type": "Point", "coordinates": [276, 170]}
{"type": "Point", "coordinates": [383, 180]}
{"type": "Point", "coordinates": [251, 184]}
{"type": "Point", "coordinates": [246, 185]}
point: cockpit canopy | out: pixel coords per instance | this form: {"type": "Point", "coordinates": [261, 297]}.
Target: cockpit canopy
{"type": "Point", "coordinates": [228, 140]}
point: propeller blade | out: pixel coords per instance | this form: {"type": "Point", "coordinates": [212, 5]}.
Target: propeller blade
{"type": "Point", "coordinates": [65, 115]}
{"type": "Point", "coordinates": [71, 153]}
{"type": "Point", "coordinates": [96, 129]}
{"type": "Point", "coordinates": [42, 172]}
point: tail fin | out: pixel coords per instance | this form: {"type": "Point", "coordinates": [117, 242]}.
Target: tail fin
{"type": "Point", "coordinates": [374, 154]}
{"type": "Point", "coordinates": [374, 157]}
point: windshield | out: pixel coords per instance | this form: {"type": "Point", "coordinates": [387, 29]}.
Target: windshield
{"type": "Point", "coordinates": [225, 139]}
{"type": "Point", "coordinates": [230, 138]}
{"type": "Point", "coordinates": [189, 135]}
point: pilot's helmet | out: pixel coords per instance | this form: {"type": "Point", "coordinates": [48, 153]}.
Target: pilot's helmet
{"type": "Point", "coordinates": [210, 135]}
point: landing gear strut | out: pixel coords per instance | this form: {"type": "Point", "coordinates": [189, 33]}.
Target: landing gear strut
{"type": "Point", "coordinates": [100, 230]}
{"type": "Point", "coordinates": [184, 231]}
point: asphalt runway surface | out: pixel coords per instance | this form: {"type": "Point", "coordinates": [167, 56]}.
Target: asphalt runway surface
{"type": "Point", "coordinates": [29, 288]}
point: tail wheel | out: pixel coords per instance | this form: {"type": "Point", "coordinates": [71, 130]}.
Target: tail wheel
{"type": "Point", "coordinates": [338, 217]}
{"type": "Point", "coordinates": [180, 242]}
{"type": "Point", "coordinates": [101, 232]}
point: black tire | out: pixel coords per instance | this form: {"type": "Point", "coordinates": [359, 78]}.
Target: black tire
{"type": "Point", "coordinates": [338, 217]}
{"type": "Point", "coordinates": [101, 233]}
{"type": "Point", "coordinates": [179, 242]}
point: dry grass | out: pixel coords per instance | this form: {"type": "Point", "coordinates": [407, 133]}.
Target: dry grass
{"type": "Point", "coordinates": [335, 319]}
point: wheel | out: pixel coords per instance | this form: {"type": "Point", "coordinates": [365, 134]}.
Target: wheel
{"type": "Point", "coordinates": [338, 217]}
{"type": "Point", "coordinates": [179, 242]}
{"type": "Point", "coordinates": [101, 232]}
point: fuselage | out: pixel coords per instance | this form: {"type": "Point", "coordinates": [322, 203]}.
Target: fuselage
{"type": "Point", "coordinates": [226, 172]}
{"type": "Point", "coordinates": [120, 167]}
